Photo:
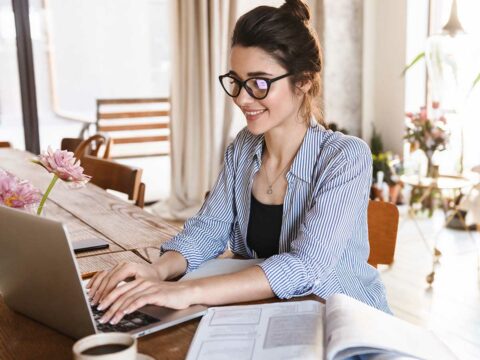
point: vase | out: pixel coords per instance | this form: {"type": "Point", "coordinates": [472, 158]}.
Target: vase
{"type": "Point", "coordinates": [394, 193]}
{"type": "Point", "coordinates": [33, 209]}
{"type": "Point", "coordinates": [432, 170]}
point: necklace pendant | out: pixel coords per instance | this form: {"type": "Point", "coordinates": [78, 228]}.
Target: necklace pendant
{"type": "Point", "coordinates": [269, 191]}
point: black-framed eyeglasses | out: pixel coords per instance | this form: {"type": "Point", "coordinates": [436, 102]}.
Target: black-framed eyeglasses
{"type": "Point", "coordinates": [257, 87]}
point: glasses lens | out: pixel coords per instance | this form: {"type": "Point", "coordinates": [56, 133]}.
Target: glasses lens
{"type": "Point", "coordinates": [231, 85]}
{"type": "Point", "coordinates": [258, 88]}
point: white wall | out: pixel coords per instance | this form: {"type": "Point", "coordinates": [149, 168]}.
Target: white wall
{"type": "Point", "coordinates": [342, 57]}
{"type": "Point", "coordinates": [384, 55]}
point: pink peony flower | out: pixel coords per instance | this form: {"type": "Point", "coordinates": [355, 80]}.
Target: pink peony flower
{"type": "Point", "coordinates": [427, 134]}
{"type": "Point", "coordinates": [63, 164]}
{"type": "Point", "coordinates": [17, 193]}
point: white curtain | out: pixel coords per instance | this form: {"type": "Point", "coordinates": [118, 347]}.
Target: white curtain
{"type": "Point", "coordinates": [200, 111]}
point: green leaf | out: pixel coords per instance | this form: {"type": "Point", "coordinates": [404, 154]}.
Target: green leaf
{"type": "Point", "coordinates": [475, 82]}
{"type": "Point", "coordinates": [417, 59]}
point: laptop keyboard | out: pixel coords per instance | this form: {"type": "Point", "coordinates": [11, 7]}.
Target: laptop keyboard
{"type": "Point", "coordinates": [129, 322]}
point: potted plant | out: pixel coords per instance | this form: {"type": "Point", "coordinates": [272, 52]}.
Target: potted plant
{"type": "Point", "coordinates": [386, 168]}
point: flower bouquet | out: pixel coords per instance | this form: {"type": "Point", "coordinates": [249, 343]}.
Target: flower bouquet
{"type": "Point", "coordinates": [427, 134]}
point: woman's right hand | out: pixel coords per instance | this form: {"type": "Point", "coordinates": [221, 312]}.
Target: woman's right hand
{"type": "Point", "coordinates": [103, 282]}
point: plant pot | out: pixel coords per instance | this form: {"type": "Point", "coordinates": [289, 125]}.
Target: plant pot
{"type": "Point", "coordinates": [394, 193]}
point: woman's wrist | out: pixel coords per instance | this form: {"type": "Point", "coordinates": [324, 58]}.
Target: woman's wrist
{"type": "Point", "coordinates": [170, 265]}
{"type": "Point", "coordinates": [196, 291]}
{"type": "Point", "coordinates": [160, 271]}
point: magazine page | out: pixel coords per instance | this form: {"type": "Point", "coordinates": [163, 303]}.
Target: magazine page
{"type": "Point", "coordinates": [354, 328]}
{"type": "Point", "coordinates": [284, 330]}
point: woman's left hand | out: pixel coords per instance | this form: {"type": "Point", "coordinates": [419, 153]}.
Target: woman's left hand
{"type": "Point", "coordinates": [131, 296]}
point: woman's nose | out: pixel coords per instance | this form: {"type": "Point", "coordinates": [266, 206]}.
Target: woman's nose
{"type": "Point", "coordinates": [244, 98]}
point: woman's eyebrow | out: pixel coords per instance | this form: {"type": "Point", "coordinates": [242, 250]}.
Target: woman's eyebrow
{"type": "Point", "coordinates": [255, 73]}
{"type": "Point", "coordinates": [258, 73]}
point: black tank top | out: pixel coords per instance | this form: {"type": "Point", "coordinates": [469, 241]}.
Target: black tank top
{"type": "Point", "coordinates": [264, 227]}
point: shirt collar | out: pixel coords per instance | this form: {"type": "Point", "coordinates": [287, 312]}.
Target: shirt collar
{"type": "Point", "coordinates": [304, 161]}
{"type": "Point", "coordinates": [258, 149]}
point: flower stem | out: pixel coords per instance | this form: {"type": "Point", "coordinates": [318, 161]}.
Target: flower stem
{"type": "Point", "coordinates": [45, 196]}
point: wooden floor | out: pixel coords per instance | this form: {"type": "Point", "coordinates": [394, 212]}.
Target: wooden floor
{"type": "Point", "coordinates": [451, 306]}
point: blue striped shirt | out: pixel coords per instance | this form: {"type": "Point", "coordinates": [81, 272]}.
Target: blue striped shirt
{"type": "Point", "coordinates": [323, 245]}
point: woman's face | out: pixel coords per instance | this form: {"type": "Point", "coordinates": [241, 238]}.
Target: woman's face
{"type": "Point", "coordinates": [280, 108]}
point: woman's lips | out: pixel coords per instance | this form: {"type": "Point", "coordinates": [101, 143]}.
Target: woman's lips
{"type": "Point", "coordinates": [252, 115]}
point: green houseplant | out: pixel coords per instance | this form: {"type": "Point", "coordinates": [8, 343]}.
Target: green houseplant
{"type": "Point", "coordinates": [383, 161]}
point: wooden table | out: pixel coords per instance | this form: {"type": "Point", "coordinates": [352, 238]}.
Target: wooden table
{"type": "Point", "coordinates": [133, 234]}
{"type": "Point", "coordinates": [23, 338]}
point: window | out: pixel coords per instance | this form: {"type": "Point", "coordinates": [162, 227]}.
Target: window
{"type": "Point", "coordinates": [92, 49]}
{"type": "Point", "coordinates": [465, 122]}
{"type": "Point", "coordinates": [85, 50]}
{"type": "Point", "coordinates": [11, 124]}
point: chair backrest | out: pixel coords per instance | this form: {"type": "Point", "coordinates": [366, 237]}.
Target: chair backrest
{"type": "Point", "coordinates": [109, 174]}
{"type": "Point", "coordinates": [130, 122]}
{"type": "Point", "coordinates": [90, 146]}
{"type": "Point", "coordinates": [5, 144]}
{"type": "Point", "coordinates": [382, 232]}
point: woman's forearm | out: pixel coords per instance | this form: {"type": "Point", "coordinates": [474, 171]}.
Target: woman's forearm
{"type": "Point", "coordinates": [248, 285]}
{"type": "Point", "coordinates": [170, 265]}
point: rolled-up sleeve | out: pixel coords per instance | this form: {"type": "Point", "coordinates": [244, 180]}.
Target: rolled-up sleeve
{"type": "Point", "coordinates": [339, 206]}
{"type": "Point", "coordinates": [205, 236]}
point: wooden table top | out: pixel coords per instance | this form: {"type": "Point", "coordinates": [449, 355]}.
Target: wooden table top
{"type": "Point", "coordinates": [93, 212]}
{"type": "Point", "coordinates": [23, 338]}
{"type": "Point", "coordinates": [133, 235]}
{"type": "Point", "coordinates": [88, 212]}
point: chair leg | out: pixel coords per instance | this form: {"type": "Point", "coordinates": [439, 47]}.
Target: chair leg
{"type": "Point", "coordinates": [141, 196]}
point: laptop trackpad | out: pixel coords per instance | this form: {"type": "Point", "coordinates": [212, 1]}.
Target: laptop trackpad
{"type": "Point", "coordinates": [155, 311]}
{"type": "Point", "coordinates": [166, 314]}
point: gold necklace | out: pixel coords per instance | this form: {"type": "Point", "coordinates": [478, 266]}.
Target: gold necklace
{"type": "Point", "coordinates": [270, 190]}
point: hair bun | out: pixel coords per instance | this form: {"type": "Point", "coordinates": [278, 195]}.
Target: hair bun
{"type": "Point", "coordinates": [297, 8]}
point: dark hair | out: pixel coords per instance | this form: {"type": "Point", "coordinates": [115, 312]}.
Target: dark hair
{"type": "Point", "coordinates": [285, 33]}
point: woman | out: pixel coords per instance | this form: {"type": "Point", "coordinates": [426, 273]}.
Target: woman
{"type": "Point", "coordinates": [290, 191]}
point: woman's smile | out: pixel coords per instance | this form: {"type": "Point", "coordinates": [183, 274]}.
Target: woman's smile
{"type": "Point", "coordinates": [253, 114]}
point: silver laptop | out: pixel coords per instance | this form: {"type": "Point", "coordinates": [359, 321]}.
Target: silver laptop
{"type": "Point", "coordinates": [39, 278]}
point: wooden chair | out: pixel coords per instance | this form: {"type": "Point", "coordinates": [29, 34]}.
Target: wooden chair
{"type": "Point", "coordinates": [130, 122]}
{"type": "Point", "coordinates": [109, 174]}
{"type": "Point", "coordinates": [5, 144]}
{"type": "Point", "coordinates": [382, 232]}
{"type": "Point", "coordinates": [90, 146]}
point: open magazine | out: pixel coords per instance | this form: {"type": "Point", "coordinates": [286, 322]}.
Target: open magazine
{"type": "Point", "coordinates": [343, 328]}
